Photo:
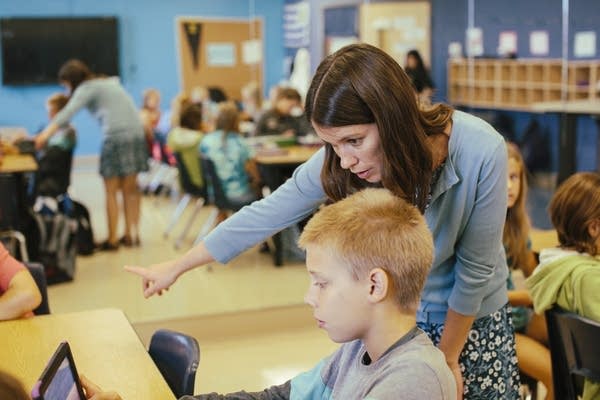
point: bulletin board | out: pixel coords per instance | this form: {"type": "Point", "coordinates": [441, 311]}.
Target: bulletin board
{"type": "Point", "coordinates": [397, 28]}
{"type": "Point", "coordinates": [225, 53]}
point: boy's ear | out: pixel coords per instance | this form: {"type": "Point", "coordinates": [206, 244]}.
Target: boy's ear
{"type": "Point", "coordinates": [378, 285]}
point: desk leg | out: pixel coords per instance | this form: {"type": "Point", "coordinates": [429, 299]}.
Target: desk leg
{"type": "Point", "coordinates": [278, 251]}
{"type": "Point", "coordinates": [567, 147]}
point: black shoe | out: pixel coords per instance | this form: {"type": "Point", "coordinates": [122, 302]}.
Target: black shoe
{"type": "Point", "coordinates": [129, 242]}
{"type": "Point", "coordinates": [107, 246]}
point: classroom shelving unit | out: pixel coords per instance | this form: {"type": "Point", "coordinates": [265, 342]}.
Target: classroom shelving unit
{"type": "Point", "coordinates": [516, 84]}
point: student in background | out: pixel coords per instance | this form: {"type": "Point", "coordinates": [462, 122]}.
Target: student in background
{"type": "Point", "coordinates": [233, 158]}
{"type": "Point", "coordinates": [251, 107]}
{"type": "Point", "coordinates": [53, 175]}
{"type": "Point", "coordinates": [185, 138]}
{"type": "Point", "coordinates": [419, 75]}
{"type": "Point", "coordinates": [569, 276]}
{"type": "Point", "coordinates": [201, 95]}
{"type": "Point", "coordinates": [65, 137]}
{"type": "Point", "coordinates": [450, 164]}
{"type": "Point", "coordinates": [369, 253]}
{"type": "Point", "coordinates": [285, 116]}
{"type": "Point", "coordinates": [150, 116]}
{"type": "Point", "coordinates": [123, 154]}
{"type": "Point", "coordinates": [531, 335]}
{"type": "Point", "coordinates": [19, 294]}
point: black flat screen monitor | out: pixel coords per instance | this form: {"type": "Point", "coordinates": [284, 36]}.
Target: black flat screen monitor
{"type": "Point", "coordinates": [33, 49]}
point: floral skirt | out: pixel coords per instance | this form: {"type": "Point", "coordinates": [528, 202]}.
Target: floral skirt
{"type": "Point", "coordinates": [123, 156]}
{"type": "Point", "coordinates": [488, 362]}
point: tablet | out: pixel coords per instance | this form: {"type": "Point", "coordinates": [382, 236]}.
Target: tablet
{"type": "Point", "coordinates": [60, 380]}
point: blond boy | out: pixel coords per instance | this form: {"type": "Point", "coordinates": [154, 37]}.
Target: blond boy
{"type": "Point", "coordinates": [368, 257]}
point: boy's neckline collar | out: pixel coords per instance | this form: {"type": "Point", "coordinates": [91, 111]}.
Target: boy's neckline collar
{"type": "Point", "coordinates": [407, 337]}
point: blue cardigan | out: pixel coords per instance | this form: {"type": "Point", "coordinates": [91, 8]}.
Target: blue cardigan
{"type": "Point", "coordinates": [466, 216]}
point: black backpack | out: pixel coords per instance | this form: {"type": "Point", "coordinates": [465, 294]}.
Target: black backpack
{"type": "Point", "coordinates": [85, 234]}
{"type": "Point", "coordinates": [57, 245]}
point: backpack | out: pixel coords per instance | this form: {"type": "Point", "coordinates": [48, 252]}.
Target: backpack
{"type": "Point", "coordinates": [85, 234]}
{"type": "Point", "coordinates": [57, 246]}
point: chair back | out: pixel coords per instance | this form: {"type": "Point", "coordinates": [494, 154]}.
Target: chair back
{"type": "Point", "coordinates": [184, 178]}
{"type": "Point", "coordinates": [215, 190]}
{"type": "Point", "coordinates": [574, 351]}
{"type": "Point", "coordinates": [39, 276]}
{"type": "Point", "coordinates": [177, 356]}
{"type": "Point", "coordinates": [217, 195]}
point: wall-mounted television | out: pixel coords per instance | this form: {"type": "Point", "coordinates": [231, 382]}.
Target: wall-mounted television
{"type": "Point", "coordinates": [33, 49]}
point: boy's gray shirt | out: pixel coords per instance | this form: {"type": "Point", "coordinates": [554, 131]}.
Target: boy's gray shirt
{"type": "Point", "coordinates": [409, 370]}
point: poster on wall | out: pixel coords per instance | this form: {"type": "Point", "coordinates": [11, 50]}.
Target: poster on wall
{"type": "Point", "coordinates": [220, 54]}
{"type": "Point", "coordinates": [296, 24]}
{"type": "Point", "coordinates": [192, 35]}
{"type": "Point", "coordinates": [585, 44]}
{"type": "Point", "coordinates": [507, 43]}
{"type": "Point", "coordinates": [252, 52]}
{"type": "Point", "coordinates": [538, 43]}
{"type": "Point", "coordinates": [474, 46]}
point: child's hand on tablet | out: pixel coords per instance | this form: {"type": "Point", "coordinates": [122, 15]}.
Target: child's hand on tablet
{"type": "Point", "coordinates": [93, 391]}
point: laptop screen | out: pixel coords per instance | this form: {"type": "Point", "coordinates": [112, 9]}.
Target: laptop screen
{"type": "Point", "coordinates": [60, 380]}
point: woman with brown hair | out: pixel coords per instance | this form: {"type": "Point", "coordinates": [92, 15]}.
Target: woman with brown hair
{"type": "Point", "coordinates": [451, 165]}
{"type": "Point", "coordinates": [123, 152]}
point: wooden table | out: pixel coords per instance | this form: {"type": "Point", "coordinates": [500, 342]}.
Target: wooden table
{"type": "Point", "coordinates": [568, 110]}
{"type": "Point", "coordinates": [275, 166]}
{"type": "Point", "coordinates": [14, 163]}
{"type": "Point", "coordinates": [293, 155]}
{"type": "Point", "coordinates": [105, 347]}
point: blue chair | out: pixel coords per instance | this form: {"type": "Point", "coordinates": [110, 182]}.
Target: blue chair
{"type": "Point", "coordinates": [39, 276]}
{"type": "Point", "coordinates": [177, 356]}
{"type": "Point", "coordinates": [574, 351]}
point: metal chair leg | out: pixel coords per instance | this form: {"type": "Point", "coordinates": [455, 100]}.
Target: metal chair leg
{"type": "Point", "coordinates": [208, 225]}
{"type": "Point", "coordinates": [181, 206]}
{"type": "Point", "coordinates": [197, 207]}
{"type": "Point", "coordinates": [19, 237]}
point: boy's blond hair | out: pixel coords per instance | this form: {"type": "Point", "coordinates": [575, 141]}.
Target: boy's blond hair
{"type": "Point", "coordinates": [375, 229]}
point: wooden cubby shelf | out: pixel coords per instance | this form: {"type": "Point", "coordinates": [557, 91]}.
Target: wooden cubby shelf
{"type": "Point", "coordinates": [517, 84]}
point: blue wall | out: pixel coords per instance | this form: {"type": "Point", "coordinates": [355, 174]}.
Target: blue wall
{"type": "Point", "coordinates": [147, 51]}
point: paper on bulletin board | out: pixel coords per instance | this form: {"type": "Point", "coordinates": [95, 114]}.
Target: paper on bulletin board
{"type": "Point", "coordinates": [474, 42]}
{"type": "Point", "coordinates": [507, 43]}
{"type": "Point", "coordinates": [251, 51]}
{"type": "Point", "coordinates": [538, 43]}
{"type": "Point", "coordinates": [220, 54]}
{"type": "Point", "coordinates": [585, 44]}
